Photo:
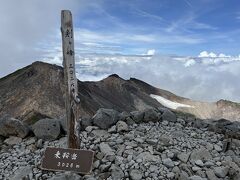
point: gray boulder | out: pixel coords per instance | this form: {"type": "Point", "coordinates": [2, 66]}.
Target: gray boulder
{"type": "Point", "coordinates": [196, 178]}
{"type": "Point", "coordinates": [210, 174]}
{"type": "Point", "coordinates": [106, 149]}
{"type": "Point", "coordinates": [39, 143]}
{"type": "Point", "coordinates": [135, 174]}
{"type": "Point", "coordinates": [12, 127]}
{"type": "Point", "coordinates": [66, 176]}
{"type": "Point", "coordinates": [200, 154]}
{"type": "Point", "coordinates": [221, 172]}
{"type": "Point", "coordinates": [183, 156]}
{"type": "Point", "coordinates": [233, 130]}
{"type": "Point", "coordinates": [22, 173]}
{"type": "Point", "coordinates": [137, 116]}
{"type": "Point", "coordinates": [63, 123]}
{"type": "Point", "coordinates": [130, 121]}
{"type": "Point", "coordinates": [218, 126]}
{"type": "Point", "coordinates": [151, 114]}
{"type": "Point", "coordinates": [165, 140]}
{"type": "Point", "coordinates": [12, 140]}
{"type": "Point", "coordinates": [182, 175]}
{"type": "Point", "coordinates": [148, 157]}
{"type": "Point", "coordinates": [161, 109]}
{"type": "Point", "coordinates": [168, 163]}
{"type": "Point", "coordinates": [105, 118]}
{"type": "Point", "coordinates": [1, 140]}
{"type": "Point", "coordinates": [146, 115]}
{"type": "Point", "coordinates": [121, 126]}
{"type": "Point", "coordinates": [100, 133]}
{"type": "Point", "coordinates": [199, 123]}
{"type": "Point", "coordinates": [230, 129]}
{"type": "Point", "coordinates": [124, 115]}
{"type": "Point", "coordinates": [47, 129]}
{"type": "Point", "coordinates": [85, 122]}
{"type": "Point", "coordinates": [169, 116]}
{"type": "Point", "coordinates": [116, 173]}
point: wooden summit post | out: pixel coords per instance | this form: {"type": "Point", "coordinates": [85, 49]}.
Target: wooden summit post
{"type": "Point", "coordinates": [70, 80]}
{"type": "Point", "coordinates": [71, 158]}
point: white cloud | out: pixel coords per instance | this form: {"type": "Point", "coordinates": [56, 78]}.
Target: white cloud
{"type": "Point", "coordinates": [204, 54]}
{"type": "Point", "coordinates": [129, 37]}
{"type": "Point", "coordinates": [188, 77]}
{"type": "Point", "coordinates": [190, 62]}
{"type": "Point", "coordinates": [25, 24]}
{"type": "Point", "coordinates": [206, 77]}
{"type": "Point", "coordinates": [221, 55]}
{"type": "Point", "coordinates": [215, 59]}
{"type": "Point", "coordinates": [146, 14]}
{"type": "Point", "coordinates": [151, 52]}
{"type": "Point", "coordinates": [31, 32]}
{"type": "Point", "coordinates": [187, 23]}
{"type": "Point", "coordinates": [142, 37]}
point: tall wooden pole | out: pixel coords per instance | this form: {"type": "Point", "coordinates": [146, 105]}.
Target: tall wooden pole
{"type": "Point", "coordinates": [70, 80]}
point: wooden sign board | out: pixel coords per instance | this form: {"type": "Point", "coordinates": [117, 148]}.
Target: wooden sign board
{"type": "Point", "coordinates": [61, 159]}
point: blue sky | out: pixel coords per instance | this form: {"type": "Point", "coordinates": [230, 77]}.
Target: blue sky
{"type": "Point", "coordinates": [189, 47]}
{"type": "Point", "coordinates": [182, 27]}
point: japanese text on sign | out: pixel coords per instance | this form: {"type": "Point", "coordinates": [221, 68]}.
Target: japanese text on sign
{"type": "Point", "coordinates": [68, 160]}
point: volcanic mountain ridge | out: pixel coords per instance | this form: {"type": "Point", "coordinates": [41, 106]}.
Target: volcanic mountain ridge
{"type": "Point", "coordinates": [37, 91]}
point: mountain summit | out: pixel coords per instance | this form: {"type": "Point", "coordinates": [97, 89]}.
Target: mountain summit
{"type": "Point", "coordinates": [37, 91]}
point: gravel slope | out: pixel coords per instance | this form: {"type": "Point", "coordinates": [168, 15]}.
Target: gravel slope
{"type": "Point", "coordinates": [161, 150]}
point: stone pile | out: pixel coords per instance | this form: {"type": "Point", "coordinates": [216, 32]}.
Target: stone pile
{"type": "Point", "coordinates": [150, 144]}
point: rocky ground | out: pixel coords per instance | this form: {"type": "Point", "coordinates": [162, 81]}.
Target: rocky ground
{"type": "Point", "coordinates": [167, 148]}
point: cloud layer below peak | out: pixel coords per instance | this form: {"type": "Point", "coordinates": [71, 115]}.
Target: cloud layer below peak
{"type": "Point", "coordinates": [199, 78]}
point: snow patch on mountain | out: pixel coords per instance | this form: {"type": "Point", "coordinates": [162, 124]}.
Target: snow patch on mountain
{"type": "Point", "coordinates": [169, 104]}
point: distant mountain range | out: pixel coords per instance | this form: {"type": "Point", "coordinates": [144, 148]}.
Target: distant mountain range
{"type": "Point", "coordinates": [37, 91]}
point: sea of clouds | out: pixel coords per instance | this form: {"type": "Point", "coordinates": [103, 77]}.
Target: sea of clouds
{"type": "Point", "coordinates": [31, 31]}
{"type": "Point", "coordinates": [207, 77]}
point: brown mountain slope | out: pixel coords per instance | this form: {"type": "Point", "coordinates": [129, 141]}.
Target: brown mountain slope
{"type": "Point", "coordinates": [113, 92]}
{"type": "Point", "coordinates": [36, 91]}
{"type": "Point", "coordinates": [33, 92]}
{"type": "Point", "coordinates": [204, 110]}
